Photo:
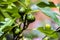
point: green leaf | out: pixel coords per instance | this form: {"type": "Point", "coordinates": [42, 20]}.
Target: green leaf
{"type": "Point", "coordinates": [58, 5]}
{"type": "Point", "coordinates": [7, 28]}
{"type": "Point", "coordinates": [47, 11]}
{"type": "Point", "coordinates": [49, 33]}
{"type": "Point", "coordinates": [3, 6]}
{"type": "Point", "coordinates": [7, 1]}
{"type": "Point", "coordinates": [42, 4]}
{"type": "Point", "coordinates": [1, 33]}
{"type": "Point", "coordinates": [45, 1]}
{"type": "Point", "coordinates": [22, 1]}
{"type": "Point", "coordinates": [39, 1]}
{"type": "Point", "coordinates": [12, 0]}
{"type": "Point", "coordinates": [1, 17]}
{"type": "Point", "coordinates": [4, 38]}
{"type": "Point", "coordinates": [8, 24]}
{"type": "Point", "coordinates": [13, 11]}
{"type": "Point", "coordinates": [27, 2]}
{"type": "Point", "coordinates": [5, 14]}
{"type": "Point", "coordinates": [32, 34]}
{"type": "Point", "coordinates": [41, 29]}
{"type": "Point", "coordinates": [1, 23]}
{"type": "Point", "coordinates": [46, 38]}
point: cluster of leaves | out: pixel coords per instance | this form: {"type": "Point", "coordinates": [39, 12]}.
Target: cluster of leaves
{"type": "Point", "coordinates": [11, 10]}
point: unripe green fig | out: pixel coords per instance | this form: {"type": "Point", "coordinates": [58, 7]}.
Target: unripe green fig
{"type": "Point", "coordinates": [17, 30]}
{"type": "Point", "coordinates": [22, 11]}
{"type": "Point", "coordinates": [30, 18]}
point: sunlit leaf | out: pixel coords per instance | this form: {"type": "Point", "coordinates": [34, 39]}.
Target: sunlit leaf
{"type": "Point", "coordinates": [4, 38]}
{"type": "Point", "coordinates": [49, 33]}
{"type": "Point", "coordinates": [27, 2]}
{"type": "Point", "coordinates": [5, 14]}
{"type": "Point", "coordinates": [13, 11]}
{"type": "Point", "coordinates": [47, 11]}
{"type": "Point", "coordinates": [7, 1]}
{"type": "Point", "coordinates": [7, 24]}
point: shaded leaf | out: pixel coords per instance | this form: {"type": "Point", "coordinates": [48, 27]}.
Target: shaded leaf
{"type": "Point", "coordinates": [45, 1]}
{"type": "Point", "coordinates": [38, 1]}
{"type": "Point", "coordinates": [42, 4]}
{"type": "Point", "coordinates": [58, 5]}
{"type": "Point", "coordinates": [7, 28]}
{"type": "Point", "coordinates": [31, 34]}
{"type": "Point", "coordinates": [1, 33]}
{"type": "Point", "coordinates": [1, 24]}
{"type": "Point", "coordinates": [1, 17]}
{"type": "Point", "coordinates": [27, 2]}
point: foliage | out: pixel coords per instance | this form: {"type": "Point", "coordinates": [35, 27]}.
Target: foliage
{"type": "Point", "coordinates": [12, 10]}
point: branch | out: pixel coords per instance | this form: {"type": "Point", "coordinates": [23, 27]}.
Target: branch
{"type": "Point", "coordinates": [24, 28]}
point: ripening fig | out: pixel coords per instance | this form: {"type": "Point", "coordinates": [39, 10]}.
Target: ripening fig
{"type": "Point", "coordinates": [47, 27]}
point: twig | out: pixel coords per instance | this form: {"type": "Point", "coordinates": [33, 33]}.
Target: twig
{"type": "Point", "coordinates": [24, 28]}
